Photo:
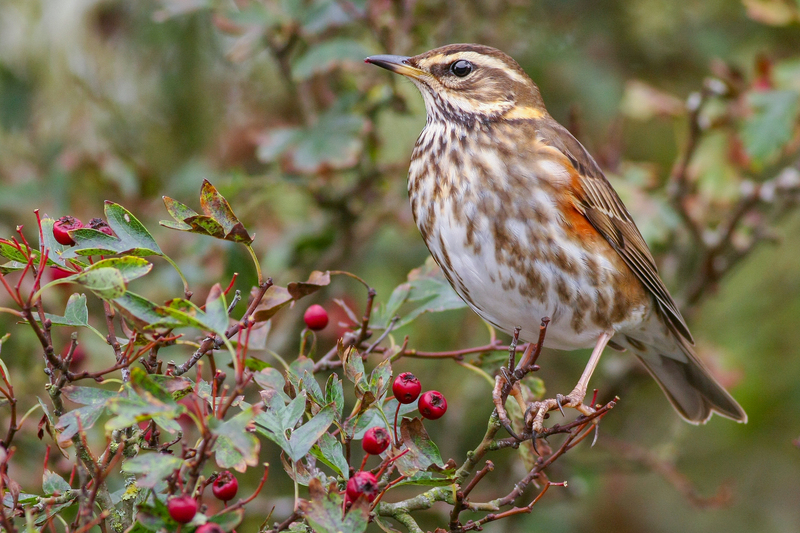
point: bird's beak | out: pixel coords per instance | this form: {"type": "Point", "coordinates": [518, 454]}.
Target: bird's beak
{"type": "Point", "coordinates": [396, 64]}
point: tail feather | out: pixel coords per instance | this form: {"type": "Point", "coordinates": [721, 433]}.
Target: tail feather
{"type": "Point", "coordinates": [691, 389]}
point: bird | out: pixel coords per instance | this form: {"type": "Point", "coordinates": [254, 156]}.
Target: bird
{"type": "Point", "coordinates": [524, 224]}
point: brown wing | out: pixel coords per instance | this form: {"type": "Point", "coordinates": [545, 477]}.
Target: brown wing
{"type": "Point", "coordinates": [602, 207]}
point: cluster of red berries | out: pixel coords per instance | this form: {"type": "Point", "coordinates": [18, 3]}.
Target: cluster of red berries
{"type": "Point", "coordinates": [65, 224]}
{"type": "Point", "coordinates": [183, 508]}
{"type": "Point", "coordinates": [406, 389]}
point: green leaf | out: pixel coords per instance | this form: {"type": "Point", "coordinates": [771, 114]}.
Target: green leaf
{"type": "Point", "coordinates": [68, 425]}
{"type": "Point", "coordinates": [87, 395]}
{"type": "Point", "coordinates": [328, 55]}
{"type": "Point", "coordinates": [233, 437]}
{"type": "Point", "coordinates": [154, 466]}
{"type": "Point", "coordinates": [217, 310]}
{"type": "Point", "coordinates": [423, 453]}
{"type": "Point", "coordinates": [228, 520]}
{"type": "Point", "coordinates": [291, 414]}
{"type": "Point", "coordinates": [323, 511]}
{"type": "Point", "coordinates": [304, 437]}
{"type": "Point", "coordinates": [354, 368]}
{"type": "Point", "coordinates": [107, 283]}
{"type": "Point", "coordinates": [380, 378]}
{"type": "Point", "coordinates": [385, 313]}
{"type": "Point", "coordinates": [142, 399]}
{"type": "Point", "coordinates": [428, 285]}
{"type": "Point", "coordinates": [130, 267]}
{"type": "Point", "coordinates": [772, 124]}
{"type": "Point", "coordinates": [426, 479]}
{"type": "Point", "coordinates": [218, 221]}
{"type": "Point", "coordinates": [49, 241]}
{"type": "Point", "coordinates": [329, 451]}
{"type": "Point", "coordinates": [272, 382]}
{"type": "Point", "coordinates": [53, 483]}
{"type": "Point", "coordinates": [76, 313]}
{"type": "Point", "coordinates": [143, 313]}
{"type": "Point", "coordinates": [313, 389]}
{"type": "Point", "coordinates": [334, 393]}
{"type": "Point", "coordinates": [132, 238]}
{"type": "Point", "coordinates": [334, 142]}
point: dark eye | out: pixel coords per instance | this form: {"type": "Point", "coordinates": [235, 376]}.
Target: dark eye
{"type": "Point", "coordinates": [461, 68]}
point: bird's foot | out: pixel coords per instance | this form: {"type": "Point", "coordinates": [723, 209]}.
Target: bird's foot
{"type": "Point", "coordinates": [506, 384]}
{"type": "Point", "coordinates": [537, 411]}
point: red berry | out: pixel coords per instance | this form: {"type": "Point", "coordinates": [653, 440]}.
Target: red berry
{"type": "Point", "coordinates": [63, 226]}
{"type": "Point", "coordinates": [101, 225]}
{"type": "Point", "coordinates": [225, 486]}
{"type": "Point", "coordinates": [59, 273]}
{"type": "Point", "coordinates": [316, 317]}
{"type": "Point", "coordinates": [362, 483]}
{"type": "Point", "coordinates": [209, 527]}
{"type": "Point", "coordinates": [432, 405]}
{"type": "Point", "coordinates": [376, 440]}
{"type": "Point", "coordinates": [182, 508]}
{"type": "Point", "coordinates": [406, 387]}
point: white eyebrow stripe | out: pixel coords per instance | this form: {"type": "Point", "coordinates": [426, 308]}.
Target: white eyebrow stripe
{"type": "Point", "coordinates": [480, 60]}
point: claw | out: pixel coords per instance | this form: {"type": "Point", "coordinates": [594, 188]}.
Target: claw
{"type": "Point", "coordinates": [559, 399]}
{"type": "Point", "coordinates": [596, 433]}
{"type": "Point", "coordinates": [533, 440]}
{"type": "Point", "coordinates": [507, 426]}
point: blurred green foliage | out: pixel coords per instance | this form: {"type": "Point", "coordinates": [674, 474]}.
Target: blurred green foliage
{"type": "Point", "coordinates": [129, 101]}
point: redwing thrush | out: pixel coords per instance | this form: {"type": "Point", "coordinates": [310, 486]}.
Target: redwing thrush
{"type": "Point", "coordinates": [524, 224]}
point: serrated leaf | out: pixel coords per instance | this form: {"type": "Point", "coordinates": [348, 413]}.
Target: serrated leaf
{"type": "Point", "coordinates": [154, 466]}
{"type": "Point", "coordinates": [326, 56]}
{"type": "Point", "coordinates": [132, 238]}
{"type": "Point", "coordinates": [329, 450]}
{"type": "Point", "coordinates": [304, 437]}
{"type": "Point", "coordinates": [219, 221]}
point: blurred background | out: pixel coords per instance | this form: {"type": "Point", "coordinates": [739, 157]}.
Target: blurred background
{"type": "Point", "coordinates": [270, 101]}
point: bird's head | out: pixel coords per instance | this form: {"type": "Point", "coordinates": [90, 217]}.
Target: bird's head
{"type": "Point", "coordinates": [468, 82]}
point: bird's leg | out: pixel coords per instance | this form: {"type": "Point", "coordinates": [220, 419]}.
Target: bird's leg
{"type": "Point", "coordinates": [575, 398]}
{"type": "Point", "coordinates": [505, 384]}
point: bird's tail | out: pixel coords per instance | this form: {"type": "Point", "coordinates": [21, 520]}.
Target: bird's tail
{"type": "Point", "coordinates": [686, 381]}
